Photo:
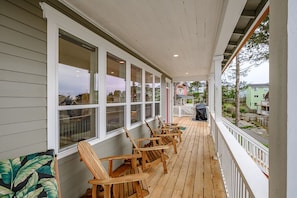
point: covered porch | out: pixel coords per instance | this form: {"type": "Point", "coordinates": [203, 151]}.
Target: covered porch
{"type": "Point", "coordinates": [193, 171]}
{"type": "Point", "coordinates": [29, 87]}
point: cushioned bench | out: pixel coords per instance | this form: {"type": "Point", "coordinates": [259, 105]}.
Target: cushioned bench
{"type": "Point", "coordinates": [33, 175]}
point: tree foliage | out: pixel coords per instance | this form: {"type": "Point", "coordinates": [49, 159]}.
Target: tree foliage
{"type": "Point", "coordinates": [256, 50]}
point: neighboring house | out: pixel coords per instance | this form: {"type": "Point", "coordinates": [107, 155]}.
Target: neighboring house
{"type": "Point", "coordinates": [264, 106]}
{"type": "Point", "coordinates": [255, 94]}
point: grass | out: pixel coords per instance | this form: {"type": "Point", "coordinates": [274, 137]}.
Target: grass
{"type": "Point", "coordinates": [247, 127]}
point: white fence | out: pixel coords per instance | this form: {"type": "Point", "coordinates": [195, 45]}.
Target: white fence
{"type": "Point", "coordinates": [242, 177]}
{"type": "Point", "coordinates": [258, 152]}
{"type": "Point", "coordinates": [184, 110]}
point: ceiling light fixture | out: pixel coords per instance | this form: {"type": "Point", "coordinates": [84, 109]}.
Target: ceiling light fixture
{"type": "Point", "coordinates": [175, 55]}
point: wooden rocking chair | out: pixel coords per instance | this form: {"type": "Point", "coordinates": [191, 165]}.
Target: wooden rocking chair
{"type": "Point", "coordinates": [151, 155]}
{"type": "Point", "coordinates": [172, 127]}
{"type": "Point", "coordinates": [167, 137]}
{"type": "Point", "coordinates": [101, 177]}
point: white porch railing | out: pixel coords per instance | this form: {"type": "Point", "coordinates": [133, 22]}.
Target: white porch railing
{"type": "Point", "coordinates": [242, 177]}
{"type": "Point", "coordinates": [258, 152]}
{"type": "Point", "coordinates": [184, 110]}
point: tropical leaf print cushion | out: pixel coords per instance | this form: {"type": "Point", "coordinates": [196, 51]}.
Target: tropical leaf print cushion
{"type": "Point", "coordinates": [29, 176]}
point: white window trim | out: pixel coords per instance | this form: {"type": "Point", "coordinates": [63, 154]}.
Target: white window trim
{"type": "Point", "coordinates": [55, 21]}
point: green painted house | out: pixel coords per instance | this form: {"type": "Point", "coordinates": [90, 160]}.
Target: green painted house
{"type": "Point", "coordinates": [255, 94]}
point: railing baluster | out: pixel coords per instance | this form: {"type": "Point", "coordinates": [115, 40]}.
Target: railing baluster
{"type": "Point", "coordinates": [241, 175]}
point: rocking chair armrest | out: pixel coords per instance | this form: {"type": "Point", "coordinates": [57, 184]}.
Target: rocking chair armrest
{"type": "Point", "coordinates": [146, 139]}
{"type": "Point", "coordinates": [119, 180]}
{"type": "Point", "coordinates": [170, 127]}
{"type": "Point", "coordinates": [171, 124]}
{"type": "Point", "coordinates": [153, 148]}
{"type": "Point", "coordinates": [120, 157]}
{"type": "Point", "coordinates": [161, 130]}
{"type": "Point", "coordinates": [167, 134]}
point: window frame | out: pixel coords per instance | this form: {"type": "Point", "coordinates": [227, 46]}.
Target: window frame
{"type": "Point", "coordinates": [91, 106]}
{"type": "Point", "coordinates": [55, 21]}
{"type": "Point", "coordinates": [141, 97]}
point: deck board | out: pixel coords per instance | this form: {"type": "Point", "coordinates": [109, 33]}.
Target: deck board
{"type": "Point", "coordinates": [192, 172]}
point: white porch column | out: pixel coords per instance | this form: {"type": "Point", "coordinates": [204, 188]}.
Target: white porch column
{"type": "Point", "coordinates": [282, 96]}
{"type": "Point", "coordinates": [211, 93]}
{"type": "Point", "coordinates": [218, 86]}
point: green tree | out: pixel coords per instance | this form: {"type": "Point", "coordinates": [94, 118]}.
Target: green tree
{"type": "Point", "coordinates": [194, 88]}
{"type": "Point", "coordinates": [255, 52]}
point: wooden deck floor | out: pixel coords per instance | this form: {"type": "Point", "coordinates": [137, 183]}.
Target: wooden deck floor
{"type": "Point", "coordinates": [192, 172]}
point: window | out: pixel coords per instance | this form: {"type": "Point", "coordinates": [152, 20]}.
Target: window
{"type": "Point", "coordinates": [75, 77]}
{"type": "Point", "coordinates": [115, 79]}
{"type": "Point", "coordinates": [157, 95]}
{"type": "Point", "coordinates": [135, 113]}
{"type": "Point", "coordinates": [157, 88]}
{"type": "Point", "coordinates": [77, 71]}
{"type": "Point", "coordinates": [115, 92]}
{"type": "Point", "coordinates": [157, 109]}
{"type": "Point", "coordinates": [115, 118]}
{"type": "Point", "coordinates": [148, 95]}
{"type": "Point", "coordinates": [148, 87]}
{"type": "Point", "coordinates": [136, 93]}
{"type": "Point", "coordinates": [135, 83]}
{"type": "Point", "coordinates": [148, 111]}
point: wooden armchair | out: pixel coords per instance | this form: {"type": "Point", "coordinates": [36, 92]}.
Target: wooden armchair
{"type": "Point", "coordinates": [165, 135]}
{"type": "Point", "coordinates": [101, 177]}
{"type": "Point", "coordinates": [151, 155]}
{"type": "Point", "coordinates": [172, 127]}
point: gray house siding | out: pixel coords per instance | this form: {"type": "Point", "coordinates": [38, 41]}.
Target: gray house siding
{"type": "Point", "coordinates": [22, 78]}
{"type": "Point", "coordinates": [23, 95]}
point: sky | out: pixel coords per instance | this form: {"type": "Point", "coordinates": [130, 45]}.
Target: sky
{"type": "Point", "coordinates": [258, 74]}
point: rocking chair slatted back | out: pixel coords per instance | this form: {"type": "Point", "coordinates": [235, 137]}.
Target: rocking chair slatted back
{"type": "Point", "coordinates": [173, 127]}
{"type": "Point", "coordinates": [165, 135]}
{"type": "Point", "coordinates": [101, 176]}
{"type": "Point", "coordinates": [151, 155]}
{"type": "Point", "coordinates": [91, 160]}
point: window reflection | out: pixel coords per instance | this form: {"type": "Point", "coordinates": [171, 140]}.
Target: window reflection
{"type": "Point", "coordinates": [135, 84]}
{"type": "Point", "coordinates": [114, 118]}
{"type": "Point", "coordinates": [77, 85]}
{"type": "Point", "coordinates": [157, 88]}
{"type": "Point", "coordinates": [115, 79]}
{"type": "Point", "coordinates": [148, 86]}
{"type": "Point", "coordinates": [77, 71]}
{"type": "Point", "coordinates": [76, 125]}
{"type": "Point", "coordinates": [157, 109]}
{"type": "Point", "coordinates": [135, 113]}
{"type": "Point", "coordinates": [148, 111]}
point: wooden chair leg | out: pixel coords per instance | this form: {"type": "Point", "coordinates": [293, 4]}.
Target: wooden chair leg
{"type": "Point", "coordinates": [164, 162]}
{"type": "Point", "coordinates": [144, 158]}
{"type": "Point", "coordinates": [174, 145]}
{"type": "Point", "coordinates": [138, 190]}
{"type": "Point", "coordinates": [106, 191]}
{"type": "Point", "coordinates": [94, 191]}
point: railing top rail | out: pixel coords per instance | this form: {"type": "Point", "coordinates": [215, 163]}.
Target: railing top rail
{"type": "Point", "coordinates": [256, 180]}
{"type": "Point", "coordinates": [246, 136]}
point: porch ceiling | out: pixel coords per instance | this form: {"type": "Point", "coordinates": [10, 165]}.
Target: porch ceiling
{"type": "Point", "coordinates": [196, 30]}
